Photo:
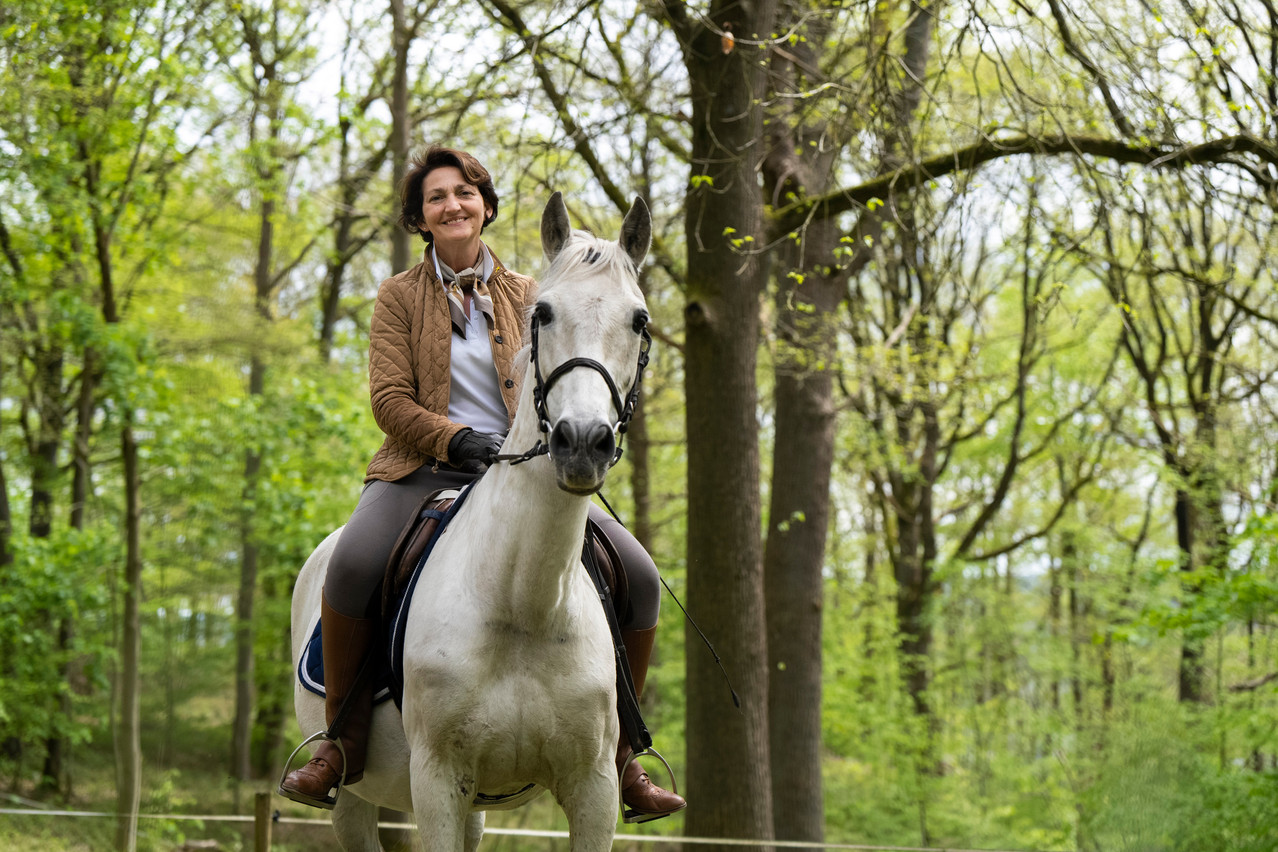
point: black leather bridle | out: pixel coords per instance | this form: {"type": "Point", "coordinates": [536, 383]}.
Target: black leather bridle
{"type": "Point", "coordinates": [625, 409]}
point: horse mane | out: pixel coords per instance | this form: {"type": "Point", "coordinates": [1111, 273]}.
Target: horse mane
{"type": "Point", "coordinates": [585, 254]}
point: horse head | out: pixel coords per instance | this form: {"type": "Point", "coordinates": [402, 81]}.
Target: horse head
{"type": "Point", "coordinates": [589, 342]}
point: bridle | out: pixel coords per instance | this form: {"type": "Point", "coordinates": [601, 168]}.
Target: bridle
{"type": "Point", "coordinates": [625, 409]}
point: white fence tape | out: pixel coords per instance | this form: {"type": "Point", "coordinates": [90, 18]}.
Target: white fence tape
{"type": "Point", "coordinates": [527, 832]}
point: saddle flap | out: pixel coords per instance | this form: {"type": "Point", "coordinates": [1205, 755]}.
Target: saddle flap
{"type": "Point", "coordinates": [608, 561]}
{"type": "Point", "coordinates": [410, 546]}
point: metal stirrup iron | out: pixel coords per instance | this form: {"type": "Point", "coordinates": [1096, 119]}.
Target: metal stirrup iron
{"type": "Point", "coordinates": [333, 736]}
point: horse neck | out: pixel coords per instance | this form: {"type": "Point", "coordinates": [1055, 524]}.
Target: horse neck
{"type": "Point", "coordinates": [532, 546]}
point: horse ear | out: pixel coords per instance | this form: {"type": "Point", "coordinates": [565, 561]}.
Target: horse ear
{"type": "Point", "coordinates": [636, 232]}
{"type": "Point", "coordinates": [555, 228]}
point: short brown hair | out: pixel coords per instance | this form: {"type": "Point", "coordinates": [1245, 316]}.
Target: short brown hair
{"type": "Point", "coordinates": [423, 163]}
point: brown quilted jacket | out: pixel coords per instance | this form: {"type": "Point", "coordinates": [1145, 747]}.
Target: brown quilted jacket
{"type": "Point", "coordinates": [408, 363]}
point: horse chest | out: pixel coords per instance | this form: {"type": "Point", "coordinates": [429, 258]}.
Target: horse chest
{"type": "Point", "coordinates": [514, 705]}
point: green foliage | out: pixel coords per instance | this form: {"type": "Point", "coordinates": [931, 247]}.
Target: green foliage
{"type": "Point", "coordinates": [54, 581]}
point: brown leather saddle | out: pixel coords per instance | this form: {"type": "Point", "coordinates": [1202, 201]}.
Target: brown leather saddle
{"type": "Point", "coordinates": [424, 524]}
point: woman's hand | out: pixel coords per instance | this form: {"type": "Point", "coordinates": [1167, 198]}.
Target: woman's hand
{"type": "Point", "coordinates": [472, 452]}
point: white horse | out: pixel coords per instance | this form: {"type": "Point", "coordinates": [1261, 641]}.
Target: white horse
{"type": "Point", "coordinates": [509, 669]}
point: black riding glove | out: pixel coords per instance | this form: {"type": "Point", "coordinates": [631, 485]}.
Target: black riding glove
{"type": "Point", "coordinates": [472, 452]}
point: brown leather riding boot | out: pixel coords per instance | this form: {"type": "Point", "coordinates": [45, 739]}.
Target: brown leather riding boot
{"type": "Point", "coordinates": [346, 642]}
{"type": "Point", "coordinates": [644, 800]}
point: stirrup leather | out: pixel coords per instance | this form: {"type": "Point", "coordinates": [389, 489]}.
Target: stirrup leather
{"type": "Point", "coordinates": [629, 814]}
{"type": "Point", "coordinates": [326, 802]}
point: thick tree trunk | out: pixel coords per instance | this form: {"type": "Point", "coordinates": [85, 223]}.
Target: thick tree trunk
{"type": "Point", "coordinates": [795, 554]}
{"type": "Point", "coordinates": [794, 583]}
{"type": "Point", "coordinates": [263, 285]}
{"type": "Point", "coordinates": [45, 478]}
{"type": "Point", "coordinates": [914, 589]}
{"type": "Point", "coordinates": [729, 780]}
{"type": "Point", "coordinates": [808, 292]}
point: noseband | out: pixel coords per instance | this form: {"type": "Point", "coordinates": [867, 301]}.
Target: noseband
{"type": "Point", "coordinates": [625, 410]}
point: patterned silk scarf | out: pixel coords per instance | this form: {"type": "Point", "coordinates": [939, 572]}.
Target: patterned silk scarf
{"type": "Point", "coordinates": [467, 281]}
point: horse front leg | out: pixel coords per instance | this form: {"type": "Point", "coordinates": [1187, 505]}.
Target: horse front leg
{"type": "Point", "coordinates": [355, 824]}
{"type": "Point", "coordinates": [442, 797]}
{"type": "Point", "coordinates": [474, 830]}
{"type": "Point", "coordinates": [590, 801]}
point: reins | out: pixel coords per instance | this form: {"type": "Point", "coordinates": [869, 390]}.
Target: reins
{"type": "Point", "coordinates": [736, 700]}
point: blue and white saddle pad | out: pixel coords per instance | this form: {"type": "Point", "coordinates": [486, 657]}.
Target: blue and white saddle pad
{"type": "Point", "coordinates": [388, 675]}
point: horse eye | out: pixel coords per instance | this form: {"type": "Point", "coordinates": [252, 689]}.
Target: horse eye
{"type": "Point", "coordinates": [641, 321]}
{"type": "Point", "coordinates": [543, 314]}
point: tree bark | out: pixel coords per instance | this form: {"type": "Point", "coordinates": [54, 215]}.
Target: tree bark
{"type": "Point", "coordinates": [401, 132]}
{"type": "Point", "coordinates": [57, 773]}
{"type": "Point", "coordinates": [808, 291]}
{"type": "Point", "coordinates": [128, 758]}
{"type": "Point", "coordinates": [728, 765]}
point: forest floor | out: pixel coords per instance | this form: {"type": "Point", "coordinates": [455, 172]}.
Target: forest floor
{"type": "Point", "coordinates": [184, 810]}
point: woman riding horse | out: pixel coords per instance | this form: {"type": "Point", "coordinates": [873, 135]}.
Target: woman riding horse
{"type": "Point", "coordinates": [444, 390]}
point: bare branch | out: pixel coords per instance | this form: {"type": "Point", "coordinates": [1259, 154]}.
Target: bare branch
{"type": "Point", "coordinates": [1216, 151]}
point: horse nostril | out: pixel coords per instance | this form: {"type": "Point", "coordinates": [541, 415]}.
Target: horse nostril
{"type": "Point", "coordinates": [594, 441]}
{"type": "Point", "coordinates": [562, 439]}
{"type": "Point", "coordinates": [601, 440]}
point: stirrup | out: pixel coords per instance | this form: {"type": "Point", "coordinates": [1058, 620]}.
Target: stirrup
{"type": "Point", "coordinates": [629, 814]}
{"type": "Point", "coordinates": [325, 802]}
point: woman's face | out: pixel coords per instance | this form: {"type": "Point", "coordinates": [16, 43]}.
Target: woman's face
{"type": "Point", "coordinates": [452, 209]}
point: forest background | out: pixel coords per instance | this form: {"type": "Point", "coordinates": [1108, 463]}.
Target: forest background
{"type": "Point", "coordinates": [960, 440]}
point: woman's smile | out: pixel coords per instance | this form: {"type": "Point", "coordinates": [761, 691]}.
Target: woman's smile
{"type": "Point", "coordinates": [453, 211]}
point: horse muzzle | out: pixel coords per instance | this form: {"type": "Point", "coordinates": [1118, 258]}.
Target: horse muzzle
{"type": "Point", "coordinates": [582, 454]}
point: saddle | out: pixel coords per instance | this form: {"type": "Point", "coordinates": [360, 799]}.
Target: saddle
{"type": "Point", "coordinates": [424, 524]}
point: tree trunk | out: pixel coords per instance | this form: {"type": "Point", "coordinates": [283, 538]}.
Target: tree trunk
{"type": "Point", "coordinates": [242, 727]}
{"type": "Point", "coordinates": [128, 757]}
{"type": "Point", "coordinates": [808, 293]}
{"type": "Point", "coordinates": [48, 440]}
{"type": "Point", "coordinates": [1190, 680]}
{"type": "Point", "coordinates": [728, 766]}
{"type": "Point", "coordinates": [57, 773]}
{"type": "Point", "coordinates": [6, 521]}
{"type": "Point", "coordinates": [794, 558]}
{"type": "Point", "coordinates": [401, 132]}
{"type": "Point", "coordinates": [794, 583]}
{"type": "Point", "coordinates": [335, 272]}
{"type": "Point", "coordinates": [128, 735]}
{"type": "Point", "coordinates": [263, 286]}
{"type": "Point", "coordinates": [1079, 637]}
